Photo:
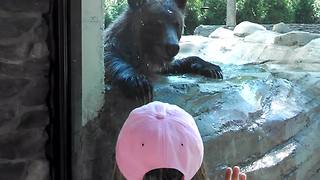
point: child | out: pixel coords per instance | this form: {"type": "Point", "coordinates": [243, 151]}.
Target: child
{"type": "Point", "coordinates": [160, 141]}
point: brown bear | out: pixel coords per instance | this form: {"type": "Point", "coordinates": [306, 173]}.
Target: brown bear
{"type": "Point", "coordinates": [144, 41]}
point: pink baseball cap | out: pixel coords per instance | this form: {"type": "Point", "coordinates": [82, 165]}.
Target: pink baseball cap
{"type": "Point", "coordinates": [159, 135]}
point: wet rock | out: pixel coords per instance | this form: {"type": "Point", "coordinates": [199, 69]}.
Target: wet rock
{"type": "Point", "coordinates": [242, 117]}
{"type": "Point", "coordinates": [312, 28]}
{"type": "Point", "coordinates": [205, 30]}
{"type": "Point", "coordinates": [221, 33]}
{"type": "Point", "coordinates": [245, 28]}
{"type": "Point", "coordinates": [281, 28]}
{"type": "Point", "coordinates": [259, 36]}
{"type": "Point", "coordinates": [295, 38]}
{"type": "Point", "coordinates": [264, 115]}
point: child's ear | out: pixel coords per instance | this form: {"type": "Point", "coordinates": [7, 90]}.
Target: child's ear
{"type": "Point", "coordinates": [136, 3]}
{"type": "Point", "coordinates": [181, 3]}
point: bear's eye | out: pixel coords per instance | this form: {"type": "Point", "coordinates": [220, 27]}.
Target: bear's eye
{"type": "Point", "coordinates": [155, 23]}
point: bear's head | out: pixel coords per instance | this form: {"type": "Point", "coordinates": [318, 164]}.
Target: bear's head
{"type": "Point", "coordinates": [158, 25]}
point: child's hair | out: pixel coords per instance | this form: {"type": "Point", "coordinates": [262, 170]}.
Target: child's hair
{"type": "Point", "coordinates": [164, 174]}
{"type": "Point", "coordinates": [159, 141]}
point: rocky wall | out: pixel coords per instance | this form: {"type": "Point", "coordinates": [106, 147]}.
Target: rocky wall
{"type": "Point", "coordinates": [206, 30]}
{"type": "Point", "coordinates": [264, 115]}
{"type": "Point", "coordinates": [24, 87]}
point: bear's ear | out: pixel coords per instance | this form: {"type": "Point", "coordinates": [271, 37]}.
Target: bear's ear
{"type": "Point", "coordinates": [136, 3]}
{"type": "Point", "coordinates": [181, 3]}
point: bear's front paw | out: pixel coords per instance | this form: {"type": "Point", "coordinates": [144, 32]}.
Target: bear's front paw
{"type": "Point", "coordinates": [208, 70]}
{"type": "Point", "coordinates": [138, 87]}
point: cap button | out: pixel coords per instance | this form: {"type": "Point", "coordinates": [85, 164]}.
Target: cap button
{"type": "Point", "coordinates": [160, 116]}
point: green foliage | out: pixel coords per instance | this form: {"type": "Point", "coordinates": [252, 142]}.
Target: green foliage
{"type": "Point", "coordinates": [107, 20]}
{"type": "Point", "coordinates": [276, 11]}
{"type": "Point", "coordinates": [304, 12]}
{"type": "Point", "coordinates": [214, 11]}
{"type": "Point", "coordinates": [250, 10]}
{"type": "Point", "coordinates": [113, 8]}
{"type": "Point", "coordinates": [316, 11]}
{"type": "Point", "coordinates": [192, 18]}
{"type": "Point", "coordinates": [265, 11]}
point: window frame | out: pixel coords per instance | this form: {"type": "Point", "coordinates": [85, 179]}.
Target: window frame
{"type": "Point", "coordinates": [66, 83]}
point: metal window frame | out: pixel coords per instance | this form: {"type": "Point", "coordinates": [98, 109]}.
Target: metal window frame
{"type": "Point", "coordinates": [65, 27]}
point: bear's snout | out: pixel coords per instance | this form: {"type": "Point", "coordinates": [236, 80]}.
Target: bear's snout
{"type": "Point", "coordinates": [172, 49]}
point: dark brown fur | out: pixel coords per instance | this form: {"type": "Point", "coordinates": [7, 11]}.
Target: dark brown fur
{"type": "Point", "coordinates": [144, 40]}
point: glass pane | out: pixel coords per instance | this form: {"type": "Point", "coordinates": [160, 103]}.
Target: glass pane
{"type": "Point", "coordinates": [252, 89]}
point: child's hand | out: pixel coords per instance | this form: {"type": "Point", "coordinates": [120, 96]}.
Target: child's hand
{"type": "Point", "coordinates": [235, 174]}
